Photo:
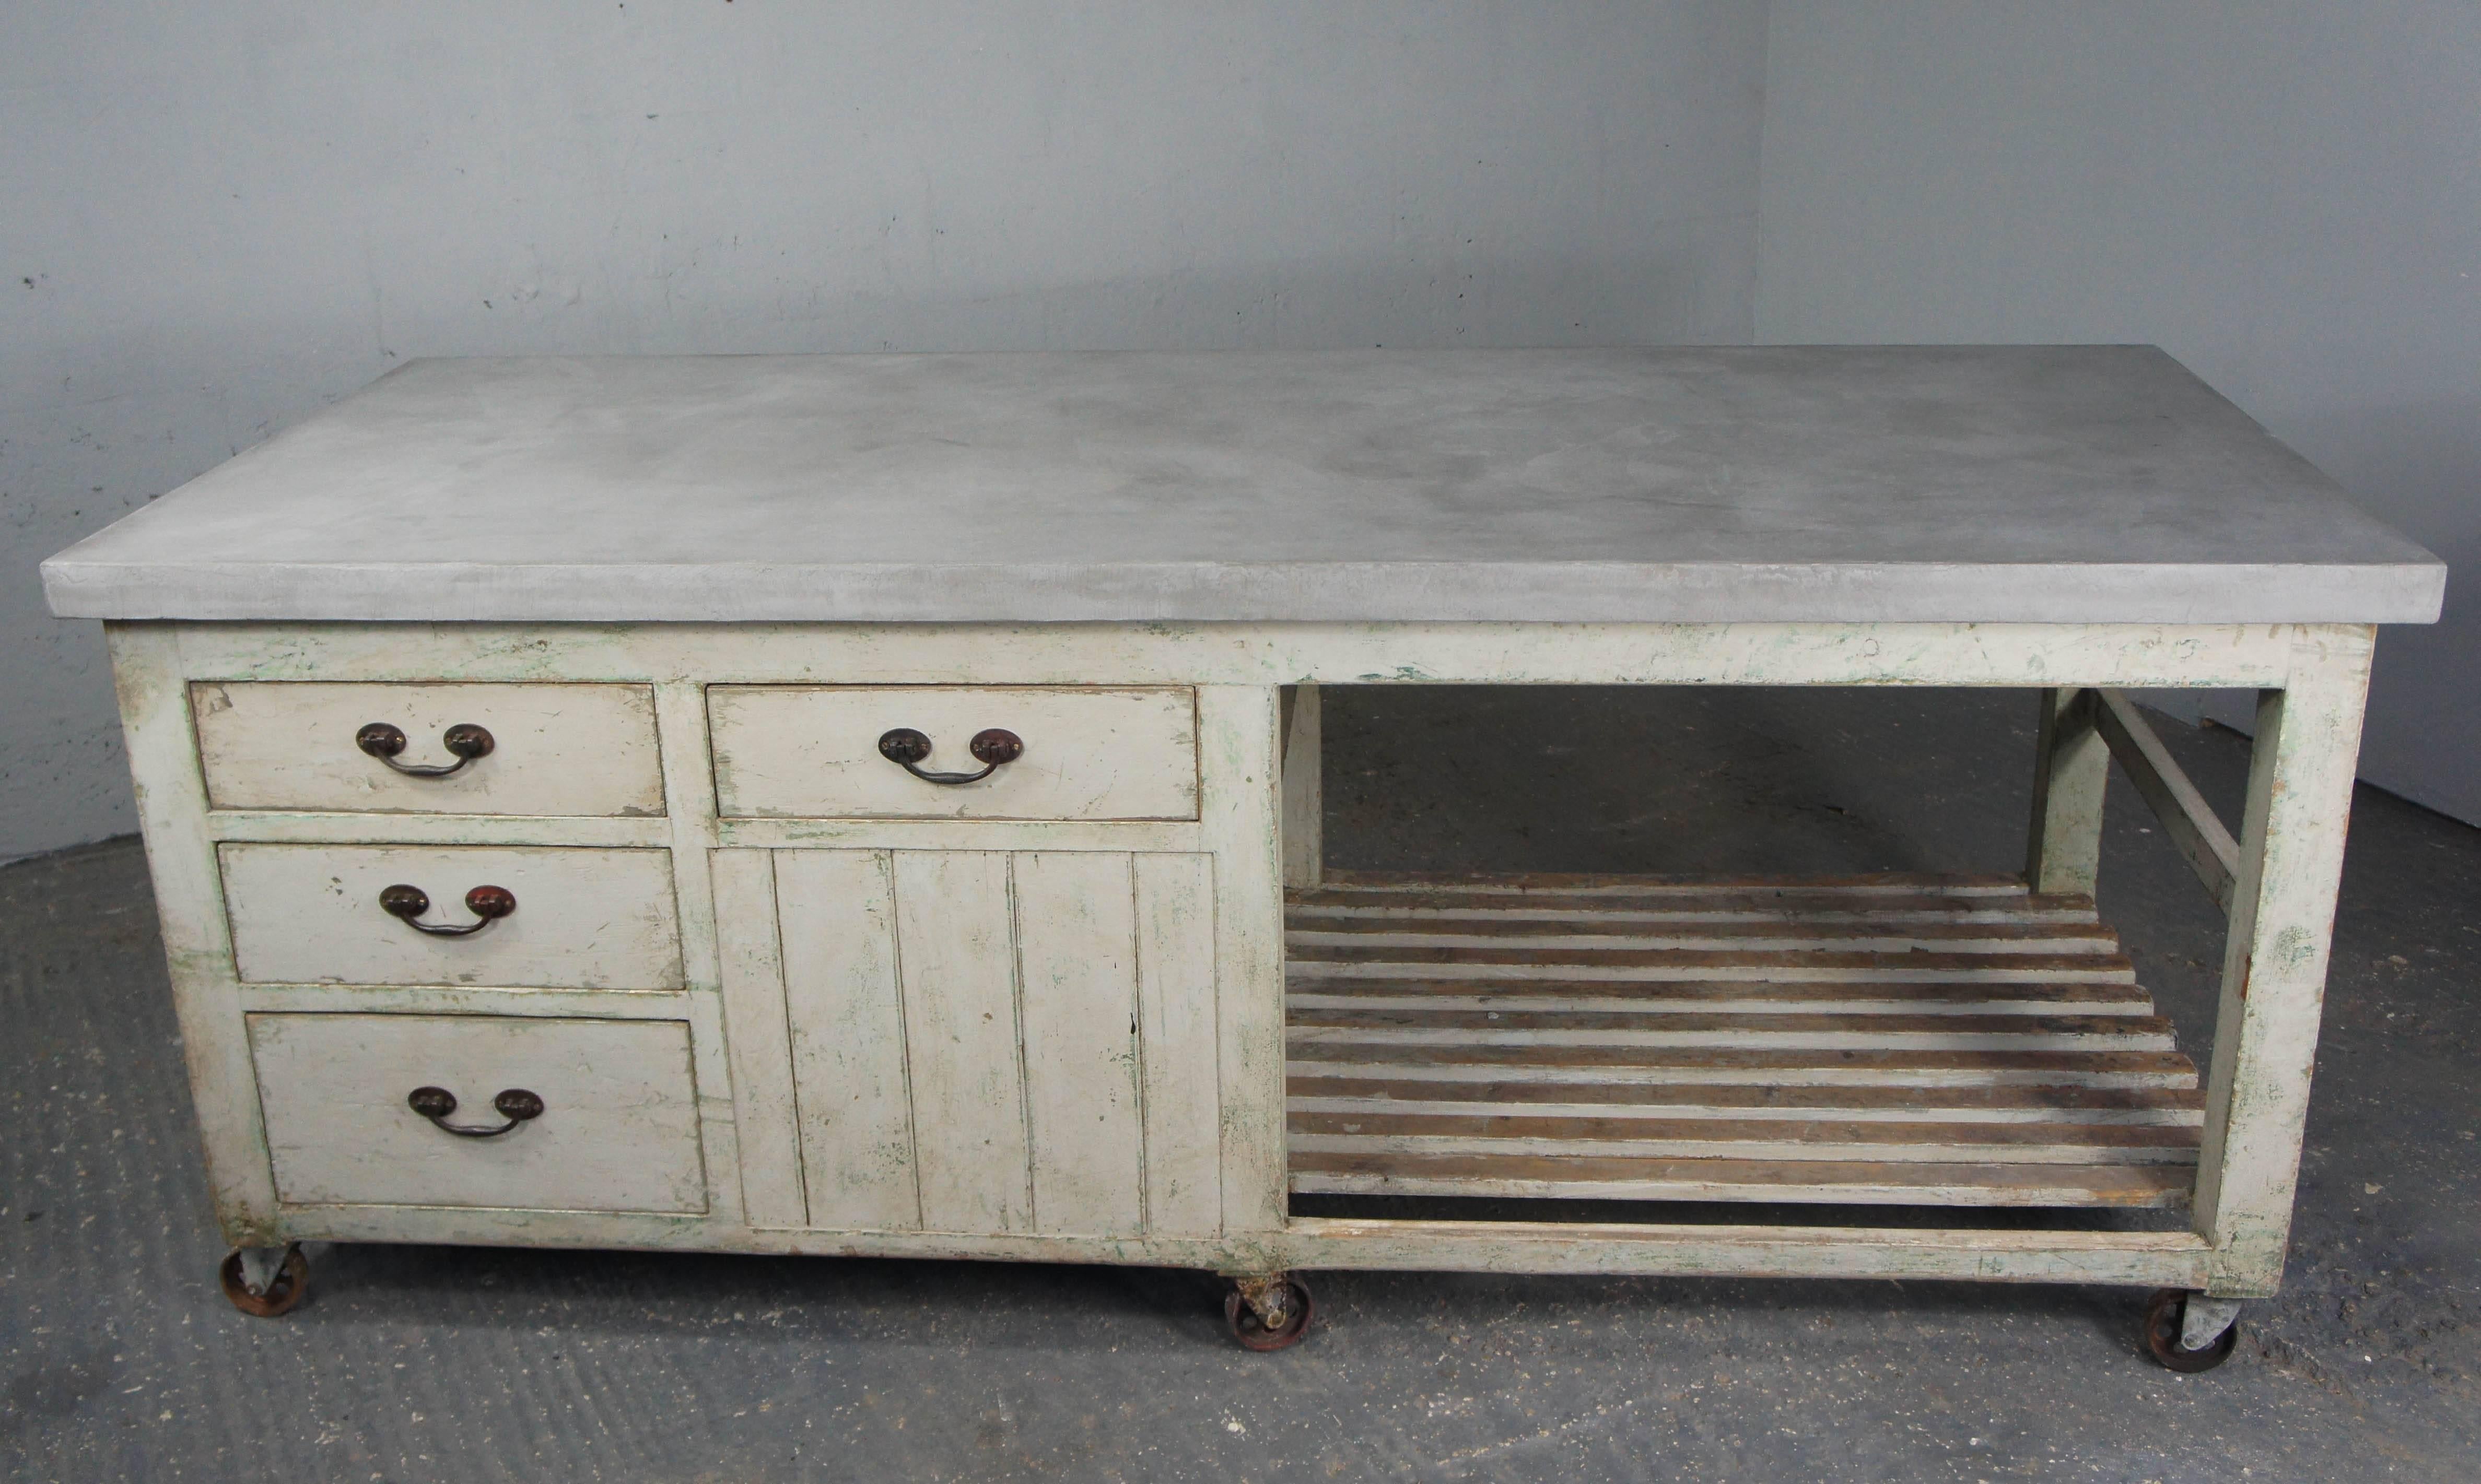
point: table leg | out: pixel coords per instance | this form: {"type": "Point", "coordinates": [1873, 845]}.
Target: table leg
{"type": "Point", "coordinates": [1304, 803]}
{"type": "Point", "coordinates": [2070, 768]}
{"type": "Point", "coordinates": [2274, 962]}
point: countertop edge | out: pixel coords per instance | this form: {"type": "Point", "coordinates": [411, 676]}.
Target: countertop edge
{"type": "Point", "coordinates": [2409, 592]}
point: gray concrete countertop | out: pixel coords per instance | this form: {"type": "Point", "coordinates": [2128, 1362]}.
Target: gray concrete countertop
{"type": "Point", "coordinates": [2095, 484]}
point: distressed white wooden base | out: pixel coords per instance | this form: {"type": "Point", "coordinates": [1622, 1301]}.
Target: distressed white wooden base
{"type": "Point", "coordinates": [1175, 920]}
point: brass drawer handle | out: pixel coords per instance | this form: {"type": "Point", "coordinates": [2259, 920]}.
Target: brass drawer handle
{"type": "Point", "coordinates": [516, 1106]}
{"type": "Point", "coordinates": [907, 749]}
{"type": "Point", "coordinates": [383, 741]}
{"type": "Point", "coordinates": [487, 903]}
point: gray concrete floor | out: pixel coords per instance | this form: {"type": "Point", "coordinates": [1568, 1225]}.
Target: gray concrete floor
{"type": "Point", "coordinates": [123, 1362]}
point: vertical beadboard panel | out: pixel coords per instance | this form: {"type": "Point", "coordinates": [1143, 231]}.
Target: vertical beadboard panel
{"type": "Point", "coordinates": [837, 916]}
{"type": "Point", "coordinates": [958, 968]}
{"type": "Point", "coordinates": [1077, 964]}
{"type": "Point", "coordinates": [759, 1039]}
{"type": "Point", "coordinates": [1175, 912]}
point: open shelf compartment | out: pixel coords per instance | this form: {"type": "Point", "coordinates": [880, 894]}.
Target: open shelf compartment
{"type": "Point", "coordinates": [1892, 1040]}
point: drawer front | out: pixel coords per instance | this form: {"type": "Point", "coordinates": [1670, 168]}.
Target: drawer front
{"type": "Point", "coordinates": [619, 1129]}
{"type": "Point", "coordinates": [584, 919]}
{"type": "Point", "coordinates": [812, 751]}
{"type": "Point", "coordinates": [555, 749]}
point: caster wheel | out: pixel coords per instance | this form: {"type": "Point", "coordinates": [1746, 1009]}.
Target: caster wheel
{"type": "Point", "coordinates": [2164, 1312]}
{"type": "Point", "coordinates": [291, 1282]}
{"type": "Point", "coordinates": [1292, 1325]}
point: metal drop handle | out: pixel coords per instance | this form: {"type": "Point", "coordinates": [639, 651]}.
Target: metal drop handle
{"type": "Point", "coordinates": [907, 748]}
{"type": "Point", "coordinates": [465, 740]}
{"type": "Point", "coordinates": [515, 1104]}
{"type": "Point", "coordinates": [487, 903]}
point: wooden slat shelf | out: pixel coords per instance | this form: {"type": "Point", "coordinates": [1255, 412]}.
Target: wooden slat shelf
{"type": "Point", "coordinates": [1913, 1040]}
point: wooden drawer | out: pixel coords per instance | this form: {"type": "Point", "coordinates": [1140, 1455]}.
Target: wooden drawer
{"type": "Point", "coordinates": [584, 919]}
{"type": "Point", "coordinates": [619, 1129]}
{"type": "Point", "coordinates": [795, 751]}
{"type": "Point", "coordinates": [555, 749]}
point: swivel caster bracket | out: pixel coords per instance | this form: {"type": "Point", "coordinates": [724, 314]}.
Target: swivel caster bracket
{"type": "Point", "coordinates": [2191, 1331]}
{"type": "Point", "coordinates": [264, 1281]}
{"type": "Point", "coordinates": [1272, 1312]}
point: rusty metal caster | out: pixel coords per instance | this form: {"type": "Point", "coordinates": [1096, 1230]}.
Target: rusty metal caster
{"type": "Point", "coordinates": [1269, 1314]}
{"type": "Point", "coordinates": [264, 1281]}
{"type": "Point", "coordinates": [2189, 1332]}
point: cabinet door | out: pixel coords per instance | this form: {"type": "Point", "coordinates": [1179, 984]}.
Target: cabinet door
{"type": "Point", "coordinates": [974, 1041]}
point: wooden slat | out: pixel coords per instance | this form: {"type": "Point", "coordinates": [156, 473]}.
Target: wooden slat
{"type": "Point", "coordinates": [1816, 1032]}
{"type": "Point", "coordinates": [1908, 1067]}
{"type": "Point", "coordinates": [1800, 1181]}
{"type": "Point", "coordinates": [1877, 883]}
{"type": "Point", "coordinates": [1672, 997]}
{"type": "Point", "coordinates": [1457, 912]}
{"type": "Point", "coordinates": [1779, 905]}
{"type": "Point", "coordinates": [1322, 1094]}
{"type": "Point", "coordinates": [1691, 1139]}
{"type": "Point", "coordinates": [1836, 968]}
{"type": "Point", "coordinates": [1868, 935]}
{"type": "Point", "coordinates": [1775, 904]}
{"type": "Point", "coordinates": [1885, 1039]}
{"type": "Point", "coordinates": [1891, 971]}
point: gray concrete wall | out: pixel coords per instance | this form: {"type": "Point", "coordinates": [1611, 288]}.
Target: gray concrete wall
{"type": "Point", "coordinates": [2285, 195]}
{"type": "Point", "coordinates": [215, 217]}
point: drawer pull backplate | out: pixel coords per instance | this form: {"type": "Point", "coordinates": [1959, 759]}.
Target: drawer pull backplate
{"type": "Point", "coordinates": [907, 748]}
{"type": "Point", "coordinates": [464, 741]}
{"type": "Point", "coordinates": [515, 1104]}
{"type": "Point", "coordinates": [487, 903]}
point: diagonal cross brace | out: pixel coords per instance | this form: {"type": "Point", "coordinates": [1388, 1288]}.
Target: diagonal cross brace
{"type": "Point", "coordinates": [2191, 822]}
